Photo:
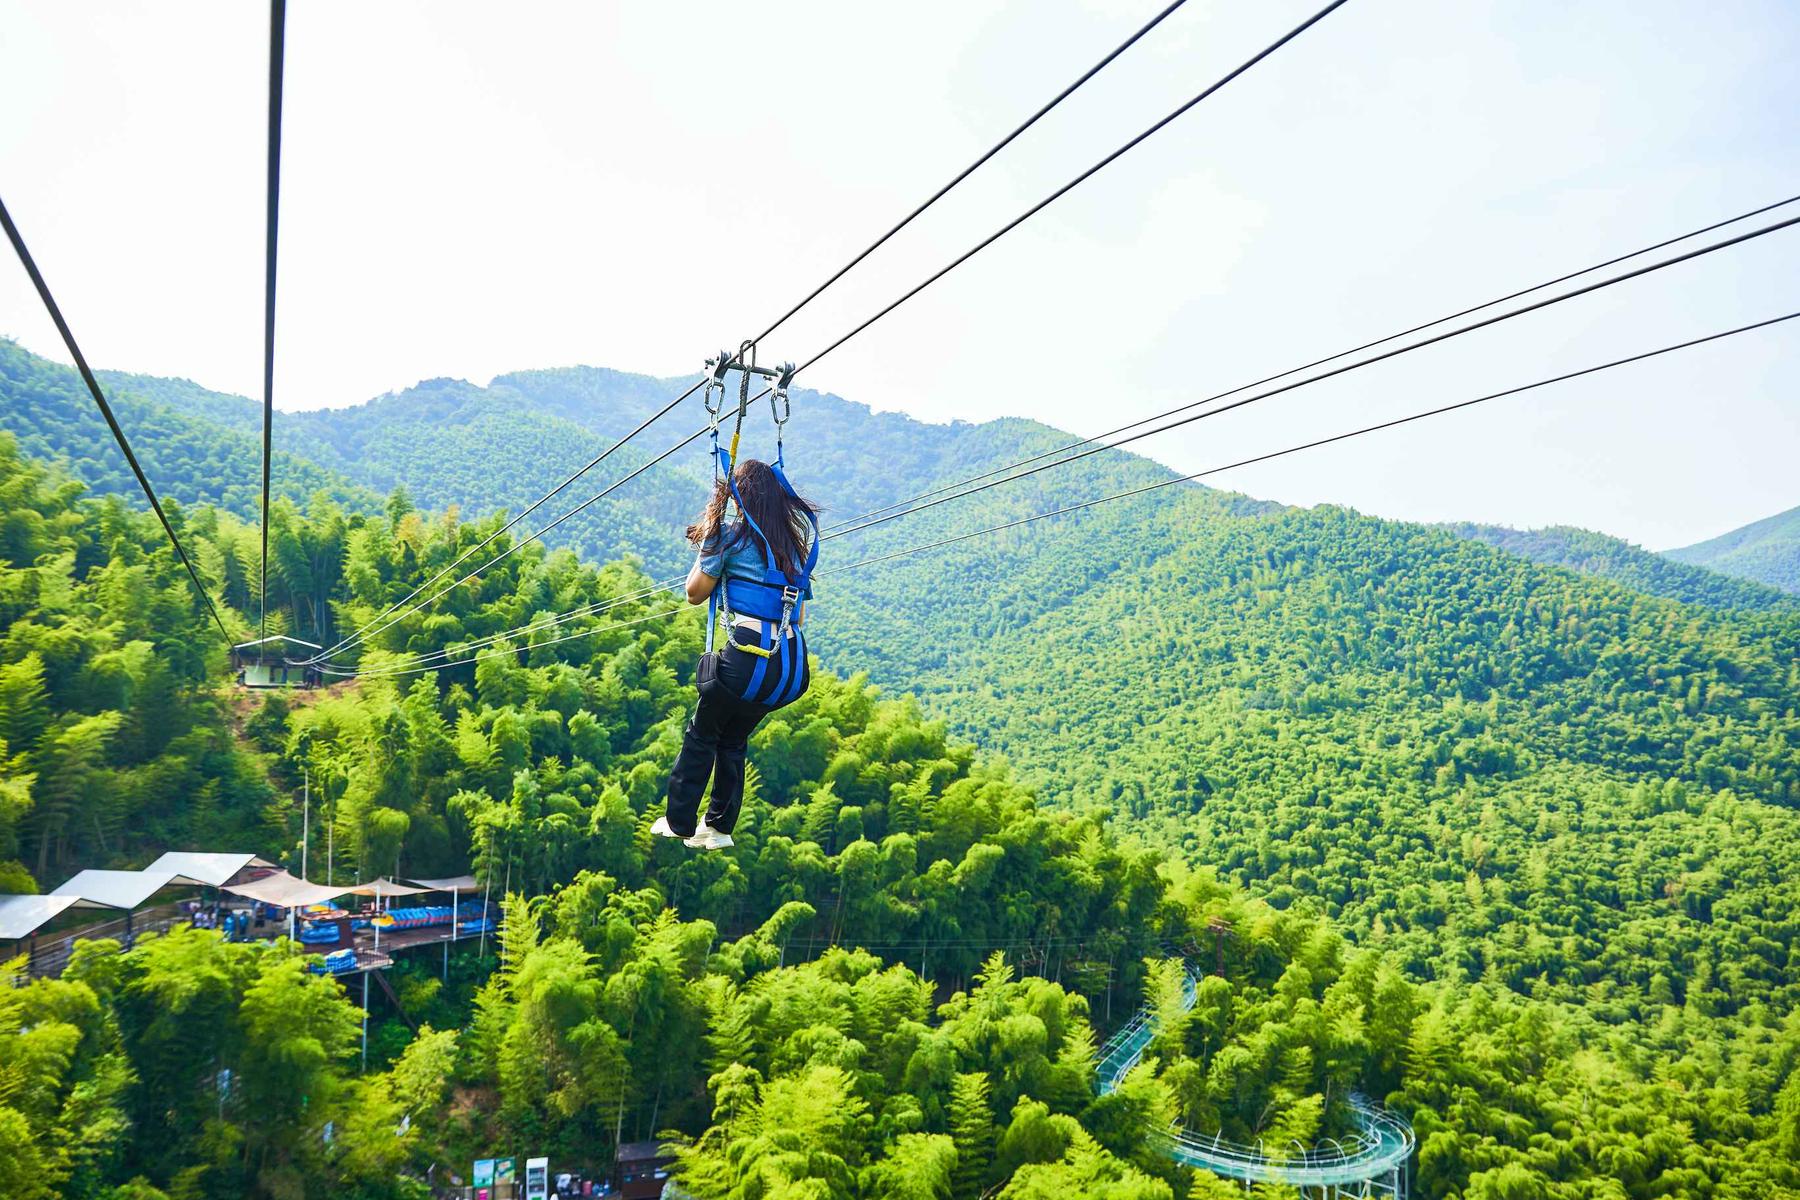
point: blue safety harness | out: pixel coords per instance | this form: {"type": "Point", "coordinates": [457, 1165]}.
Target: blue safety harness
{"type": "Point", "coordinates": [781, 675]}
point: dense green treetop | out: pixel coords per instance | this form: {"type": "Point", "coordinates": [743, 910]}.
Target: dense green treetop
{"type": "Point", "coordinates": [1506, 845]}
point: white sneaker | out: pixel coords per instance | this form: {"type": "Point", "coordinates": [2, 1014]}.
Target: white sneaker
{"type": "Point", "coordinates": [661, 828]}
{"type": "Point", "coordinates": [707, 838]}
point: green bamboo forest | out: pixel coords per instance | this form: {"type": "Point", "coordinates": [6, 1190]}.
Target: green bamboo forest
{"type": "Point", "coordinates": [1499, 831]}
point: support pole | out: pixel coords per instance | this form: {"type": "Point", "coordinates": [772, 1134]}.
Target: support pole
{"type": "Point", "coordinates": [365, 1022]}
{"type": "Point", "coordinates": [487, 890]}
{"type": "Point", "coordinates": [305, 816]}
{"type": "Point", "coordinates": [453, 894]}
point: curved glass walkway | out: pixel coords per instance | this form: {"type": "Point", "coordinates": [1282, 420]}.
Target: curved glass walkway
{"type": "Point", "coordinates": [1372, 1163]}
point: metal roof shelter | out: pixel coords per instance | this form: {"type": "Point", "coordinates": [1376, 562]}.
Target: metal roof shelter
{"type": "Point", "coordinates": [22, 916]}
{"type": "Point", "coordinates": [119, 889]}
{"type": "Point", "coordinates": [213, 870]}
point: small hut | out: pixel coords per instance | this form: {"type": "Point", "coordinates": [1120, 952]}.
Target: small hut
{"type": "Point", "coordinates": [641, 1169]}
{"type": "Point", "coordinates": [276, 661]}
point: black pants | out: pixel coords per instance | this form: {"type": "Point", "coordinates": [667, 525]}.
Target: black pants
{"type": "Point", "coordinates": [718, 736]}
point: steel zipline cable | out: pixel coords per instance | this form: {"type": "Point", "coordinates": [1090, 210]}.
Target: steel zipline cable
{"type": "Point", "coordinates": [365, 634]}
{"type": "Point", "coordinates": [1072, 184]}
{"type": "Point", "coordinates": [978, 247]}
{"type": "Point", "coordinates": [1243, 67]}
{"type": "Point", "coordinates": [1317, 362]}
{"type": "Point", "coordinates": [1698, 252]}
{"type": "Point", "coordinates": [1332, 373]}
{"type": "Point", "coordinates": [1212, 88]}
{"type": "Point", "coordinates": [277, 58]}
{"type": "Point", "coordinates": [456, 649]}
{"type": "Point", "coordinates": [372, 627]}
{"type": "Point", "coordinates": [1145, 489]}
{"type": "Point", "coordinates": [112, 422]}
{"type": "Point", "coordinates": [1317, 442]}
{"type": "Point", "coordinates": [969, 170]}
{"type": "Point", "coordinates": [398, 670]}
{"type": "Point", "coordinates": [366, 631]}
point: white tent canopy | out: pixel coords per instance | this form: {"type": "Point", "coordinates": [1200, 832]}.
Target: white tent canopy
{"type": "Point", "coordinates": [386, 887]}
{"type": "Point", "coordinates": [118, 889]}
{"type": "Point", "coordinates": [461, 883]}
{"type": "Point", "coordinates": [213, 870]}
{"type": "Point", "coordinates": [286, 891]}
{"type": "Point", "coordinates": [22, 916]}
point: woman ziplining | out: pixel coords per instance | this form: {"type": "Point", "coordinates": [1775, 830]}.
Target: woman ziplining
{"type": "Point", "coordinates": [755, 571]}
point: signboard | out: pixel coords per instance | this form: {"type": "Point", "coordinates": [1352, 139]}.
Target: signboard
{"type": "Point", "coordinates": [503, 1170]}
{"type": "Point", "coordinates": [537, 1179]}
{"type": "Point", "coordinates": [484, 1172]}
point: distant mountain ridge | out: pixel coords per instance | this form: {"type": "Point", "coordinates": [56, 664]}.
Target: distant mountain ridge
{"type": "Point", "coordinates": [451, 444]}
{"type": "Point", "coordinates": [1623, 562]}
{"type": "Point", "coordinates": [1767, 551]}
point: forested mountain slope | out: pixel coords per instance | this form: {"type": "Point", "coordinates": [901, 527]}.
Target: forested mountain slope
{"type": "Point", "coordinates": [1296, 697]}
{"type": "Point", "coordinates": [191, 458]}
{"type": "Point", "coordinates": [1635, 567]}
{"type": "Point", "coordinates": [1439, 743]}
{"type": "Point", "coordinates": [450, 443]}
{"type": "Point", "coordinates": [642, 988]}
{"type": "Point", "coordinates": [1767, 551]}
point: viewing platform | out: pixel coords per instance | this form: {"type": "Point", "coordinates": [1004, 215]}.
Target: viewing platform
{"type": "Point", "coordinates": [1372, 1163]}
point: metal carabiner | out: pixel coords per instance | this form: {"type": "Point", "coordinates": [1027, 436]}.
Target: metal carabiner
{"type": "Point", "coordinates": [711, 383]}
{"type": "Point", "coordinates": [779, 391]}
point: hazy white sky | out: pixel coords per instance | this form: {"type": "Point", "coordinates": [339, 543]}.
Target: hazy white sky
{"type": "Point", "coordinates": [472, 188]}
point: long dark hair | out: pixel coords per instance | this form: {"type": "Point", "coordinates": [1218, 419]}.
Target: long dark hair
{"type": "Point", "coordinates": [781, 517]}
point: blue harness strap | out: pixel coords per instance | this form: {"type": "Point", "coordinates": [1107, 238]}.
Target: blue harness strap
{"type": "Point", "coordinates": [793, 671]}
{"type": "Point", "coordinates": [780, 674]}
{"type": "Point", "coordinates": [753, 689]}
{"type": "Point", "coordinates": [771, 599]}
